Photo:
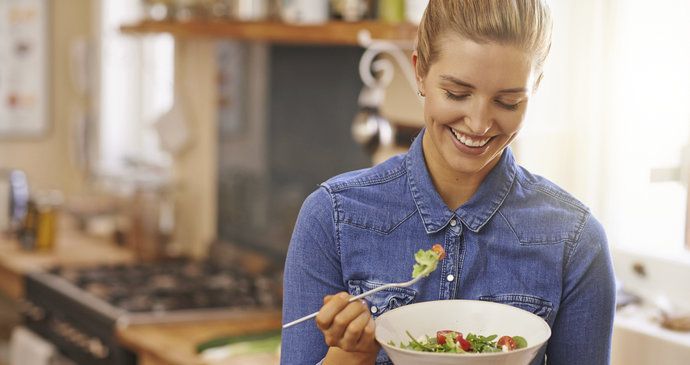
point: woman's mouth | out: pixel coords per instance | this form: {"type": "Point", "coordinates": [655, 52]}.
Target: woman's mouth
{"type": "Point", "coordinates": [469, 141]}
{"type": "Point", "coordinates": [471, 145]}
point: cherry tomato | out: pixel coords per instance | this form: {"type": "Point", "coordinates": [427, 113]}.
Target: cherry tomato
{"type": "Point", "coordinates": [507, 341]}
{"type": "Point", "coordinates": [439, 250]}
{"type": "Point", "coordinates": [464, 344]}
{"type": "Point", "coordinates": [441, 336]}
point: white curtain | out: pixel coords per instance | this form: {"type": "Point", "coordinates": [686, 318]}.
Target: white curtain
{"type": "Point", "coordinates": [613, 107]}
{"type": "Point", "coordinates": [136, 76]}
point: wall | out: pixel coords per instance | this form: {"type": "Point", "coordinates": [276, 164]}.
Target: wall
{"type": "Point", "coordinates": [196, 169]}
{"type": "Point", "coordinates": [47, 159]}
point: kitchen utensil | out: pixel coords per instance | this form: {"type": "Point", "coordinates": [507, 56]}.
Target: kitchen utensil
{"type": "Point", "coordinates": [365, 294]}
{"type": "Point", "coordinates": [172, 128]}
{"type": "Point", "coordinates": [466, 316]}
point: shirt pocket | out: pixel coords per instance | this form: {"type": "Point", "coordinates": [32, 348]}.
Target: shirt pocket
{"type": "Point", "coordinates": [530, 303]}
{"type": "Point", "coordinates": [382, 301]}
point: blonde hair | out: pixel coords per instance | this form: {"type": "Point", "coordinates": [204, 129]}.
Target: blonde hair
{"type": "Point", "coordinates": [525, 24]}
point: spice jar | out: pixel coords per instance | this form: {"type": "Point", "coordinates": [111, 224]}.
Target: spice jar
{"type": "Point", "coordinates": [39, 229]}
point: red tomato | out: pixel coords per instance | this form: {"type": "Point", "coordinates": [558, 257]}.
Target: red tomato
{"type": "Point", "coordinates": [441, 336]}
{"type": "Point", "coordinates": [507, 341]}
{"type": "Point", "coordinates": [464, 344]}
{"type": "Point", "coordinates": [439, 250]}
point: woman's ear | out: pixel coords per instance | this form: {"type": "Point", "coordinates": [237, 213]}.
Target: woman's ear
{"type": "Point", "coordinates": [418, 78]}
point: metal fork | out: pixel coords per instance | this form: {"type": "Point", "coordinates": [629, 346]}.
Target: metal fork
{"type": "Point", "coordinates": [365, 294]}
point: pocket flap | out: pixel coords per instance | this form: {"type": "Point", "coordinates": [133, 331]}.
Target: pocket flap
{"type": "Point", "coordinates": [384, 300]}
{"type": "Point", "coordinates": [530, 303]}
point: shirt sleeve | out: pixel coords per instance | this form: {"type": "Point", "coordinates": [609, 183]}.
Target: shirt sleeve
{"type": "Point", "coordinates": [582, 329]}
{"type": "Point", "coordinates": [312, 270]}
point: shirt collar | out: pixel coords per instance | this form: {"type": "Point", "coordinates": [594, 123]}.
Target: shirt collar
{"type": "Point", "coordinates": [476, 211]}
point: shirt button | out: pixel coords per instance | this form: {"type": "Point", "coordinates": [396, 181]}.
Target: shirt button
{"type": "Point", "coordinates": [374, 309]}
{"type": "Point", "coordinates": [453, 223]}
{"type": "Point", "coordinates": [450, 277]}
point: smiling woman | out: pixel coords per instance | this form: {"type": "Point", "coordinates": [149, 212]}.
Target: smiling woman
{"type": "Point", "coordinates": [511, 237]}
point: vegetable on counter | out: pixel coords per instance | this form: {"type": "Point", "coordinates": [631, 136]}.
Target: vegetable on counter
{"type": "Point", "coordinates": [227, 346]}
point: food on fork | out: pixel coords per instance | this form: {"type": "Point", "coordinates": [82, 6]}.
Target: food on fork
{"type": "Point", "coordinates": [427, 260]}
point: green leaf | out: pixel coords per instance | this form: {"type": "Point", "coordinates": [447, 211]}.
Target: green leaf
{"type": "Point", "coordinates": [427, 261]}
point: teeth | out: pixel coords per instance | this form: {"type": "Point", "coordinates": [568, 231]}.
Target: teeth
{"type": "Point", "coordinates": [467, 141]}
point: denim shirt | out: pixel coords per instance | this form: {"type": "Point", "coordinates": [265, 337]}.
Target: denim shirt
{"type": "Point", "coordinates": [520, 240]}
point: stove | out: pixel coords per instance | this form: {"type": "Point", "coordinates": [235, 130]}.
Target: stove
{"type": "Point", "coordinates": [79, 309]}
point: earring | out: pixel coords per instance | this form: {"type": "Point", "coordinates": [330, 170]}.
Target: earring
{"type": "Point", "coordinates": [420, 93]}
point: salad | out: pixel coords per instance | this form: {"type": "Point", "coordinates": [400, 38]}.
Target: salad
{"type": "Point", "coordinates": [427, 260]}
{"type": "Point", "coordinates": [454, 342]}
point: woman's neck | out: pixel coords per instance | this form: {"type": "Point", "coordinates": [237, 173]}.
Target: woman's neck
{"type": "Point", "coordinates": [454, 187]}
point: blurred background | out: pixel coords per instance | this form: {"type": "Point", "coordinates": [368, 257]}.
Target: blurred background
{"type": "Point", "coordinates": [154, 155]}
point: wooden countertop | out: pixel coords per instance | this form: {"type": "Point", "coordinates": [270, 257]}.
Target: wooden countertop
{"type": "Point", "coordinates": [174, 344]}
{"type": "Point", "coordinates": [156, 344]}
{"type": "Point", "coordinates": [71, 248]}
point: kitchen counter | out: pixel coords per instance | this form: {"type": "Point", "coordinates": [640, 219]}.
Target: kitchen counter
{"type": "Point", "coordinates": [71, 248]}
{"type": "Point", "coordinates": [174, 344]}
{"type": "Point", "coordinates": [155, 344]}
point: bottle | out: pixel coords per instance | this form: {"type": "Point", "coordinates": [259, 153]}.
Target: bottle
{"type": "Point", "coordinates": [47, 206]}
{"type": "Point", "coordinates": [391, 11]}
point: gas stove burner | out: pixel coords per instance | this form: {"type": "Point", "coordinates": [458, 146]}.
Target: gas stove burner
{"type": "Point", "coordinates": [174, 286]}
{"type": "Point", "coordinates": [93, 301]}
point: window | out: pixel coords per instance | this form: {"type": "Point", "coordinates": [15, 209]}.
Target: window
{"type": "Point", "coordinates": [614, 110]}
{"type": "Point", "coordinates": [137, 79]}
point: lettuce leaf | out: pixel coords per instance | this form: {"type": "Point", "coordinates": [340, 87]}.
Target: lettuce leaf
{"type": "Point", "coordinates": [427, 261]}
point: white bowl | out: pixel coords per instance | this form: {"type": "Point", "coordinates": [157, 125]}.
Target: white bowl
{"type": "Point", "coordinates": [466, 316]}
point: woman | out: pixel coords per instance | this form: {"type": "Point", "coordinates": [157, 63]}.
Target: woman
{"type": "Point", "coordinates": [510, 236]}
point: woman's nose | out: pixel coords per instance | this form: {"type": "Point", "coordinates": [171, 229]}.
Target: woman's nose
{"type": "Point", "coordinates": [479, 118]}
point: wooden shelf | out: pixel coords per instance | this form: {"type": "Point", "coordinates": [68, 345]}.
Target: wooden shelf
{"type": "Point", "coordinates": [333, 33]}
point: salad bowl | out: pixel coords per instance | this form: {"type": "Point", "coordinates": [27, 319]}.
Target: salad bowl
{"type": "Point", "coordinates": [465, 316]}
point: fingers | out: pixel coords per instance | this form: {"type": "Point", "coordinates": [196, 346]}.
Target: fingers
{"type": "Point", "coordinates": [332, 306]}
{"type": "Point", "coordinates": [344, 324]}
{"type": "Point", "coordinates": [327, 298]}
{"type": "Point", "coordinates": [367, 341]}
{"type": "Point", "coordinates": [341, 321]}
{"type": "Point", "coordinates": [354, 331]}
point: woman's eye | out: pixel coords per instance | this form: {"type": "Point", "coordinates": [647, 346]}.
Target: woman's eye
{"type": "Point", "coordinates": [509, 105]}
{"type": "Point", "coordinates": [452, 96]}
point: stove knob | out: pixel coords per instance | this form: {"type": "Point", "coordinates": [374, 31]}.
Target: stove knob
{"type": "Point", "coordinates": [97, 349]}
{"type": "Point", "coordinates": [83, 342]}
{"type": "Point", "coordinates": [32, 311]}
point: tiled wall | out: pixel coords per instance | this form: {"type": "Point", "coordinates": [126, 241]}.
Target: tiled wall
{"type": "Point", "coordinates": [310, 101]}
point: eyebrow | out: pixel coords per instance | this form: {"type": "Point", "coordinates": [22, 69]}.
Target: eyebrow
{"type": "Point", "coordinates": [459, 82]}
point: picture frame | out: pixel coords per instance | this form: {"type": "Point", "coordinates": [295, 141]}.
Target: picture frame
{"type": "Point", "coordinates": [24, 74]}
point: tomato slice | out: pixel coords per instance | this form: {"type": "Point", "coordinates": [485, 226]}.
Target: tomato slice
{"type": "Point", "coordinates": [464, 344]}
{"type": "Point", "coordinates": [441, 336]}
{"type": "Point", "coordinates": [508, 342]}
{"type": "Point", "coordinates": [439, 250]}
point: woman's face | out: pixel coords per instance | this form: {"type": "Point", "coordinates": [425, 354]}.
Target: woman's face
{"type": "Point", "coordinates": [475, 102]}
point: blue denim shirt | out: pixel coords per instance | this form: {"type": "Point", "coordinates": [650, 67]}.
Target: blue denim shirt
{"type": "Point", "coordinates": [520, 240]}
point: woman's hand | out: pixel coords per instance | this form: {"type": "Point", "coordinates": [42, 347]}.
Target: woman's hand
{"type": "Point", "coordinates": [348, 326]}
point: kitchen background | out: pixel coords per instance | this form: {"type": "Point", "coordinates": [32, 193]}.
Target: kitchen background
{"type": "Point", "coordinates": [154, 155]}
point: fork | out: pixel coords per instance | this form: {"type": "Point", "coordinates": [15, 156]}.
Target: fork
{"type": "Point", "coordinates": [360, 296]}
